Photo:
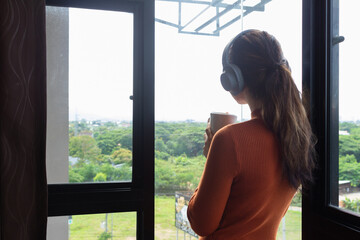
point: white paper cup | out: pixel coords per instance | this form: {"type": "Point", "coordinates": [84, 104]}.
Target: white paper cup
{"type": "Point", "coordinates": [219, 120]}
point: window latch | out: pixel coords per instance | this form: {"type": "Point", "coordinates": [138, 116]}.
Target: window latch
{"type": "Point", "coordinates": [337, 40]}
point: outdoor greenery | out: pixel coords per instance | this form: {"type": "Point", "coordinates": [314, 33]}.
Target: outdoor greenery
{"type": "Point", "coordinates": [123, 225]}
{"type": "Point", "coordinates": [353, 205]}
{"type": "Point", "coordinates": [102, 151]}
{"type": "Point", "coordinates": [93, 227]}
{"type": "Point", "coordinates": [296, 201]}
{"type": "Point", "coordinates": [292, 226]}
{"type": "Point", "coordinates": [349, 153]}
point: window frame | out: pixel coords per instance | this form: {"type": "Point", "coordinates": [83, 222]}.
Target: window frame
{"type": "Point", "coordinates": [320, 87]}
{"type": "Point", "coordinates": [137, 195]}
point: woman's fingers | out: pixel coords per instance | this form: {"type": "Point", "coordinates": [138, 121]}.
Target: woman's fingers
{"type": "Point", "coordinates": [207, 138]}
{"type": "Point", "coordinates": [208, 132]}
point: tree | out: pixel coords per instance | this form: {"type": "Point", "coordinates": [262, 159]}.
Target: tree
{"type": "Point", "coordinates": [106, 144]}
{"type": "Point", "coordinates": [110, 171]}
{"type": "Point", "coordinates": [161, 155]}
{"type": "Point", "coordinates": [108, 140]}
{"type": "Point", "coordinates": [88, 171]}
{"type": "Point", "coordinates": [84, 147]}
{"type": "Point", "coordinates": [160, 145]}
{"type": "Point", "coordinates": [349, 169]}
{"type": "Point", "coordinates": [71, 129]}
{"type": "Point", "coordinates": [171, 146]}
{"type": "Point", "coordinates": [191, 143]}
{"type": "Point", "coordinates": [347, 126]}
{"type": "Point", "coordinates": [126, 140]}
{"type": "Point", "coordinates": [162, 130]}
{"type": "Point", "coordinates": [123, 173]}
{"type": "Point", "coordinates": [349, 145]}
{"type": "Point", "coordinates": [186, 137]}
{"type": "Point", "coordinates": [74, 176]}
{"type": "Point", "coordinates": [355, 132]}
{"type": "Point", "coordinates": [122, 155]}
{"type": "Point", "coordinates": [100, 177]}
{"type": "Point", "coordinates": [165, 176]}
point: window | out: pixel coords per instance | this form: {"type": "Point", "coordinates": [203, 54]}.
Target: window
{"type": "Point", "coordinates": [94, 104]}
{"type": "Point", "coordinates": [93, 226]}
{"type": "Point", "coordinates": [344, 74]}
{"type": "Point", "coordinates": [73, 56]}
{"type": "Point", "coordinates": [326, 84]}
{"type": "Point", "coordinates": [188, 89]}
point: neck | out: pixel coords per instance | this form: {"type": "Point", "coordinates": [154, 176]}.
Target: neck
{"type": "Point", "coordinates": [244, 97]}
{"type": "Point", "coordinates": [254, 107]}
{"type": "Point", "coordinates": [254, 104]}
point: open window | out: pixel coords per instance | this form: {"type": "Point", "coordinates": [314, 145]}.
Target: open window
{"type": "Point", "coordinates": [190, 39]}
{"type": "Point", "coordinates": [330, 208]}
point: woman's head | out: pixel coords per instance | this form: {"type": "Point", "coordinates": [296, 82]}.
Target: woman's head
{"type": "Point", "coordinates": [259, 57]}
{"type": "Point", "coordinates": [268, 81]}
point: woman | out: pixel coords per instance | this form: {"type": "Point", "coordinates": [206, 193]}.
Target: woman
{"type": "Point", "coordinates": [254, 168]}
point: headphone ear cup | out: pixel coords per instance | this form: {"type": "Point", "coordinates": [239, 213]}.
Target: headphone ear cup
{"type": "Point", "coordinates": [228, 79]}
{"type": "Point", "coordinates": [232, 79]}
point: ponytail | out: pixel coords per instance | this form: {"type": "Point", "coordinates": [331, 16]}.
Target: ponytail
{"type": "Point", "coordinates": [284, 113]}
{"type": "Point", "coordinates": [268, 78]}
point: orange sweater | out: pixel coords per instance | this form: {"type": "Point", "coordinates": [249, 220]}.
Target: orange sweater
{"type": "Point", "coordinates": [242, 193]}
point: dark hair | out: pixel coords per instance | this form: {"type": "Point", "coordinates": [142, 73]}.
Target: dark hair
{"type": "Point", "coordinates": [267, 76]}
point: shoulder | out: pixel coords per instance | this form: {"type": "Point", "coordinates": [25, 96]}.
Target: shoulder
{"type": "Point", "coordinates": [253, 129]}
{"type": "Point", "coordinates": [251, 126]}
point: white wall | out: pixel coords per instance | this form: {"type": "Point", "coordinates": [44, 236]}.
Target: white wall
{"type": "Point", "coordinates": [57, 147]}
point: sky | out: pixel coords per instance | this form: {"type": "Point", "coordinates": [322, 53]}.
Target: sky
{"type": "Point", "coordinates": [349, 51]}
{"type": "Point", "coordinates": [187, 67]}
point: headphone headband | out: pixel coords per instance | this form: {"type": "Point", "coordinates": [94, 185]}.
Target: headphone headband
{"type": "Point", "coordinates": [225, 57]}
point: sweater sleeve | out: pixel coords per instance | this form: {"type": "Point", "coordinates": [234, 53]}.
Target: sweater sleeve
{"type": "Point", "coordinates": [207, 204]}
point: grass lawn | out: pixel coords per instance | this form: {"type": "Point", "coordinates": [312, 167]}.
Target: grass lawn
{"type": "Point", "coordinates": [292, 226]}
{"type": "Point", "coordinates": [124, 224]}
{"type": "Point", "coordinates": [90, 227]}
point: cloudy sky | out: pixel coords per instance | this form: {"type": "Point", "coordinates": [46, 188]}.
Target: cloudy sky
{"type": "Point", "coordinates": [187, 67]}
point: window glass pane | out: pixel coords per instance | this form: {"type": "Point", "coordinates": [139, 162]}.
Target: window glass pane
{"type": "Point", "coordinates": [94, 226]}
{"type": "Point", "coordinates": [188, 89]}
{"type": "Point", "coordinates": [90, 81]}
{"type": "Point", "coordinates": [349, 114]}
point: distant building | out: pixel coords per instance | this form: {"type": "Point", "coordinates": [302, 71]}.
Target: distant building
{"type": "Point", "coordinates": [125, 124]}
{"type": "Point", "coordinates": [344, 186]}
{"type": "Point", "coordinates": [343, 132]}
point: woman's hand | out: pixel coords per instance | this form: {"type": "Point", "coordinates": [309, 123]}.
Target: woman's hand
{"type": "Point", "coordinates": [207, 137]}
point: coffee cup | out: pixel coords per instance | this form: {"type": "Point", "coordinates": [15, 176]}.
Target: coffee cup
{"type": "Point", "coordinates": [219, 120]}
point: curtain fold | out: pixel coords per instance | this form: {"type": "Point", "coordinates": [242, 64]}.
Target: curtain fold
{"type": "Point", "coordinates": [23, 186]}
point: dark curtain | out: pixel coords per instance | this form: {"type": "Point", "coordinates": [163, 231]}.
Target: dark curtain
{"type": "Point", "coordinates": [23, 186]}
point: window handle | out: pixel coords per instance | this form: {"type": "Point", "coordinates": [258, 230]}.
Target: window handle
{"type": "Point", "coordinates": [337, 40]}
{"type": "Point", "coordinates": [131, 97]}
